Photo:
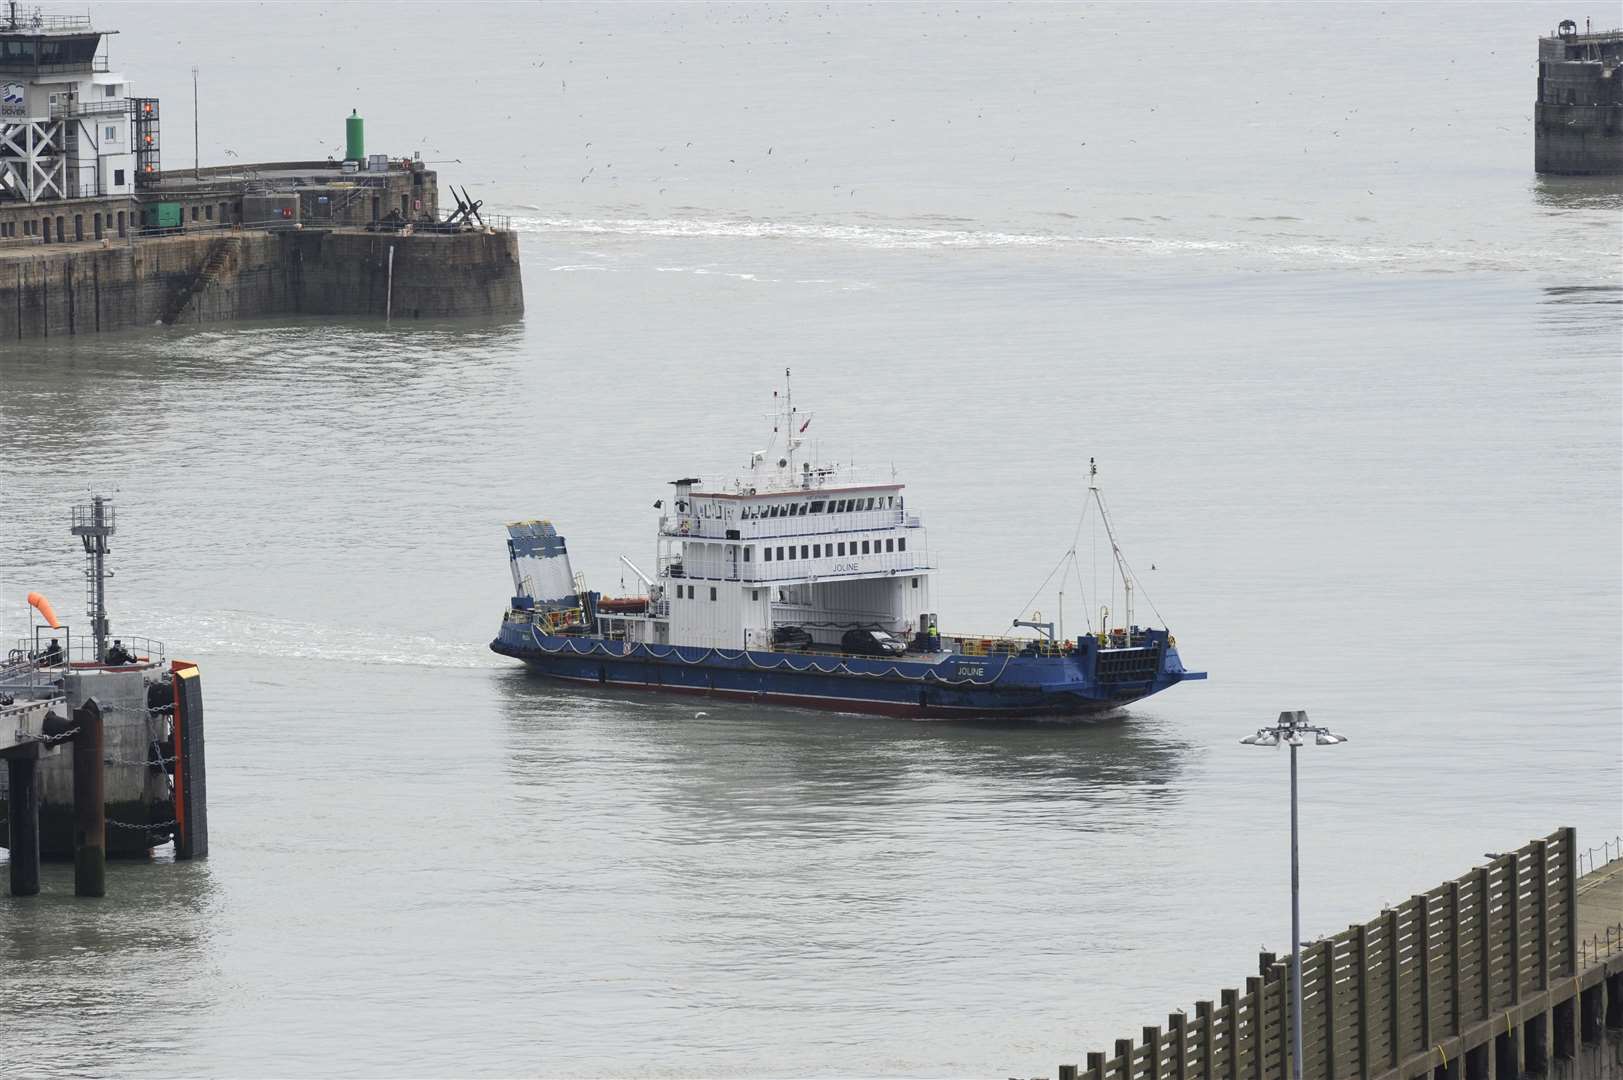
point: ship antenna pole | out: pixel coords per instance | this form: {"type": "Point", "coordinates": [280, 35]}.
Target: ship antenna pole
{"type": "Point", "coordinates": [789, 422]}
{"type": "Point", "coordinates": [1115, 551]}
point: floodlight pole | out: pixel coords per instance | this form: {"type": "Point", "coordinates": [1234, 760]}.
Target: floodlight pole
{"type": "Point", "coordinates": [1296, 933]}
{"type": "Point", "coordinates": [1289, 730]}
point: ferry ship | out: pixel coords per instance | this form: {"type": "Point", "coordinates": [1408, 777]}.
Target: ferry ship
{"type": "Point", "coordinates": [805, 585]}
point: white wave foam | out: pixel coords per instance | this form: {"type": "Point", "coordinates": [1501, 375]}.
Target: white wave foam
{"type": "Point", "coordinates": [1306, 252]}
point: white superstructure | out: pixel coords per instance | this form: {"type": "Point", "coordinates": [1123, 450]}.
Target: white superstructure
{"type": "Point", "coordinates": [789, 544]}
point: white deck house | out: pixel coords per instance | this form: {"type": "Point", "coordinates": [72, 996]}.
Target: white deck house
{"type": "Point", "coordinates": [791, 544]}
{"type": "Point", "coordinates": [824, 554]}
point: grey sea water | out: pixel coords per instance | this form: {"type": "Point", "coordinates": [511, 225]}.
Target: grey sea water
{"type": "Point", "coordinates": [1351, 372]}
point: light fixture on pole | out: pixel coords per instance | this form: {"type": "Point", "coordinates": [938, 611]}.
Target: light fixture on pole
{"type": "Point", "coordinates": [1291, 729]}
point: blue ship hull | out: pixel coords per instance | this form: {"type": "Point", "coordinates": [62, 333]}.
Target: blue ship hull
{"type": "Point", "coordinates": [1087, 679]}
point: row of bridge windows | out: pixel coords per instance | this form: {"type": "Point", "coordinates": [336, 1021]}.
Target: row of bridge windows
{"type": "Point", "coordinates": [835, 550]}
{"type": "Point", "coordinates": [819, 506]}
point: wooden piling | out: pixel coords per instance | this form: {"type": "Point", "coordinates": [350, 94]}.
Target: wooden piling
{"type": "Point", "coordinates": [191, 784]}
{"type": "Point", "coordinates": [1422, 931]}
{"type": "Point", "coordinates": [1208, 1041]}
{"type": "Point", "coordinates": [22, 809]}
{"type": "Point", "coordinates": [1231, 1034]}
{"type": "Point", "coordinates": [1327, 995]}
{"type": "Point", "coordinates": [89, 803]}
{"type": "Point", "coordinates": [1178, 1027]}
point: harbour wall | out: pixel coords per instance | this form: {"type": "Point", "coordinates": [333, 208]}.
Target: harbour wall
{"type": "Point", "coordinates": [224, 275]}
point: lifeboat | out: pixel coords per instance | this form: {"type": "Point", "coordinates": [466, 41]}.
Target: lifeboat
{"type": "Point", "coordinates": [623, 605]}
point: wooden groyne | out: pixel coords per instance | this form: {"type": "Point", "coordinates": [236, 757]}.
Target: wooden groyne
{"type": "Point", "coordinates": [1515, 969]}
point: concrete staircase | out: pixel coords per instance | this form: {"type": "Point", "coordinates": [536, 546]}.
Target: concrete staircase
{"type": "Point", "coordinates": [219, 254]}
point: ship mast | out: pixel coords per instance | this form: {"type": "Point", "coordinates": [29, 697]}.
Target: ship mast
{"type": "Point", "coordinates": [1115, 551]}
{"type": "Point", "coordinates": [789, 440]}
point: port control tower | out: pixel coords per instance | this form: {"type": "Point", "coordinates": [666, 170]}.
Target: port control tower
{"type": "Point", "coordinates": [68, 127]}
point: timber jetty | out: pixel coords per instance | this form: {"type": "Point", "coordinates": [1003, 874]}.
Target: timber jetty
{"type": "Point", "coordinates": [1578, 117]}
{"type": "Point", "coordinates": [1513, 970]}
{"type": "Point", "coordinates": [96, 235]}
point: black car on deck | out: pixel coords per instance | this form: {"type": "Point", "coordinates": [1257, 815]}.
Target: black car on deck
{"type": "Point", "coordinates": [791, 637]}
{"type": "Point", "coordinates": [872, 643]}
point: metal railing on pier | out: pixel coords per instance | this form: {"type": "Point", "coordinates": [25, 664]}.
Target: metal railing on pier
{"type": "Point", "coordinates": [1589, 859]}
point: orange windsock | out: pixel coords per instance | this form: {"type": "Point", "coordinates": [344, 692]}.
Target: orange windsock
{"type": "Point", "coordinates": [43, 606]}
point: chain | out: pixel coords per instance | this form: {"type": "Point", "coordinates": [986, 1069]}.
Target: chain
{"type": "Point", "coordinates": [151, 826]}
{"type": "Point", "coordinates": [160, 760]}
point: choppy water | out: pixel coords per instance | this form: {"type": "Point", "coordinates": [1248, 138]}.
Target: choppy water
{"type": "Point", "coordinates": [1352, 374]}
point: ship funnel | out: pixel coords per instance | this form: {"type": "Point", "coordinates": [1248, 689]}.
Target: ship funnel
{"type": "Point", "coordinates": [541, 571]}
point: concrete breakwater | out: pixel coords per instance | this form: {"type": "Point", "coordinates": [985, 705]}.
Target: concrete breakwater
{"type": "Point", "coordinates": [218, 276]}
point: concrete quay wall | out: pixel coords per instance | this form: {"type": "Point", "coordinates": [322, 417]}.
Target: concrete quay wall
{"type": "Point", "coordinates": [1578, 140]}
{"type": "Point", "coordinates": [224, 275]}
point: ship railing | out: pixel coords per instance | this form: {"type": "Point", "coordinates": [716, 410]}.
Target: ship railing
{"type": "Point", "coordinates": [702, 528]}
{"type": "Point", "coordinates": [998, 644]}
{"type": "Point", "coordinates": [1003, 645]}
{"type": "Point", "coordinates": [77, 651]}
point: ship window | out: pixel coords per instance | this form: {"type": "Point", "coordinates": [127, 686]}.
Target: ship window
{"type": "Point", "coordinates": [712, 592]}
{"type": "Point", "coordinates": [766, 554]}
{"type": "Point", "coordinates": [817, 506]}
{"type": "Point", "coordinates": [915, 583]}
{"type": "Point", "coordinates": [817, 551]}
{"type": "Point", "coordinates": [870, 505]}
{"type": "Point", "coordinates": [747, 550]}
{"type": "Point", "coordinates": [865, 547]}
{"type": "Point", "coordinates": [803, 549]}
{"type": "Point", "coordinates": [901, 544]}
{"type": "Point", "coordinates": [890, 545]}
{"type": "Point", "coordinates": [842, 548]}
{"type": "Point", "coordinates": [755, 594]}
{"type": "Point", "coordinates": [780, 554]}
